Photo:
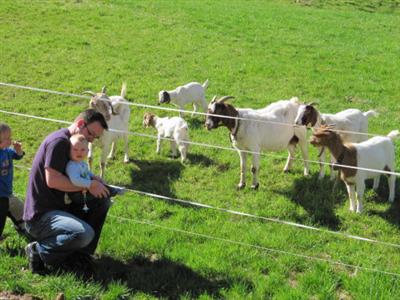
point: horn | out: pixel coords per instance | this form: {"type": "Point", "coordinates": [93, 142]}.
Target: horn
{"type": "Point", "coordinates": [89, 93]}
{"type": "Point", "coordinates": [213, 99]}
{"type": "Point", "coordinates": [223, 99]}
{"type": "Point", "coordinates": [103, 90]}
{"type": "Point", "coordinates": [312, 103]}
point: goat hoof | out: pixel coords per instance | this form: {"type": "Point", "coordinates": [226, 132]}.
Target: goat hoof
{"type": "Point", "coordinates": [286, 171]}
{"type": "Point", "coordinates": [241, 186]}
{"type": "Point", "coordinates": [126, 161]}
{"type": "Point", "coordinates": [255, 186]}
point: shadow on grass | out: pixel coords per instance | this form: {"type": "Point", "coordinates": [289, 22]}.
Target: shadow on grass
{"type": "Point", "coordinates": [159, 278]}
{"type": "Point", "coordinates": [392, 214]}
{"type": "Point", "coordinates": [318, 198]}
{"type": "Point", "coordinates": [196, 123]}
{"type": "Point", "coordinates": [200, 159]}
{"type": "Point", "coordinates": [156, 176]}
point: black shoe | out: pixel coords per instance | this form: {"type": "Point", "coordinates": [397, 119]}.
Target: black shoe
{"type": "Point", "coordinates": [36, 264]}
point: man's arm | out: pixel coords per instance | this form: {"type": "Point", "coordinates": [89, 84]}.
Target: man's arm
{"type": "Point", "coordinates": [58, 181]}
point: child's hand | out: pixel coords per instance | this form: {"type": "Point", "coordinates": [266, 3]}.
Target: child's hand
{"type": "Point", "coordinates": [17, 147]}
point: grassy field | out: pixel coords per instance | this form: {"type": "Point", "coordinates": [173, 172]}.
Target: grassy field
{"type": "Point", "coordinates": [343, 54]}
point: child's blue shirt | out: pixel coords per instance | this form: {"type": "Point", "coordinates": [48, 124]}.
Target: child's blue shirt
{"type": "Point", "coordinates": [7, 156]}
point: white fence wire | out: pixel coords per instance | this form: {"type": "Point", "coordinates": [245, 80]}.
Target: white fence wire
{"type": "Point", "coordinates": [171, 109]}
{"type": "Point", "coordinates": [223, 209]}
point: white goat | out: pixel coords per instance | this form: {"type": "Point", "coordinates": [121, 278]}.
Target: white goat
{"type": "Point", "coordinates": [174, 128]}
{"type": "Point", "coordinates": [349, 120]}
{"type": "Point", "coordinates": [193, 92]}
{"type": "Point", "coordinates": [376, 153]}
{"type": "Point", "coordinates": [116, 111]}
{"type": "Point", "coordinates": [255, 136]}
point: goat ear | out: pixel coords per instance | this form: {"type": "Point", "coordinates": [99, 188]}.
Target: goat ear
{"type": "Point", "coordinates": [313, 103]}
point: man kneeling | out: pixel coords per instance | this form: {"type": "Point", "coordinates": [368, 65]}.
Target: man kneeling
{"type": "Point", "coordinates": [59, 230]}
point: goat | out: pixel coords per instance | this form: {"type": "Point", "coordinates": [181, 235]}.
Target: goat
{"type": "Point", "coordinates": [116, 111]}
{"type": "Point", "coordinates": [260, 131]}
{"type": "Point", "coordinates": [193, 92]}
{"type": "Point", "coordinates": [174, 128]}
{"type": "Point", "coordinates": [376, 153]}
{"type": "Point", "coordinates": [350, 121]}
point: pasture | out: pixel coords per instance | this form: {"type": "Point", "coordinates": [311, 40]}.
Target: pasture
{"type": "Point", "coordinates": [343, 54]}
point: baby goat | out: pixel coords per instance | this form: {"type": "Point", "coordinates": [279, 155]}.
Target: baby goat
{"type": "Point", "coordinates": [193, 92]}
{"type": "Point", "coordinates": [347, 121]}
{"type": "Point", "coordinates": [174, 128]}
{"type": "Point", "coordinates": [376, 153]}
{"type": "Point", "coordinates": [116, 111]}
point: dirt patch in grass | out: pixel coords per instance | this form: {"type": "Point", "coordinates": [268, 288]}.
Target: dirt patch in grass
{"type": "Point", "coordinates": [11, 296]}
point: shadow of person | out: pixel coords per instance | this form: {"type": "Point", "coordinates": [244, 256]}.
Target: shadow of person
{"type": "Point", "coordinates": [161, 278]}
{"type": "Point", "coordinates": [318, 198]}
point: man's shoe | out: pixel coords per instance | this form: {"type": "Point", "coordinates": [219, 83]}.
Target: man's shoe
{"type": "Point", "coordinates": [36, 264]}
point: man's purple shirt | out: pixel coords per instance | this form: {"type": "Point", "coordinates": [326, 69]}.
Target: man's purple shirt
{"type": "Point", "coordinates": [53, 153]}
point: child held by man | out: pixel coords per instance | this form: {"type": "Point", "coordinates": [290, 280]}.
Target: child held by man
{"type": "Point", "coordinates": [78, 172]}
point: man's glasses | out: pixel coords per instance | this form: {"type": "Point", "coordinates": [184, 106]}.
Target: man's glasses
{"type": "Point", "coordinates": [91, 133]}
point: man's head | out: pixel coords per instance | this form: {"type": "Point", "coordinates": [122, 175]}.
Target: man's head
{"type": "Point", "coordinates": [5, 136]}
{"type": "Point", "coordinates": [91, 124]}
{"type": "Point", "coordinates": [79, 147]}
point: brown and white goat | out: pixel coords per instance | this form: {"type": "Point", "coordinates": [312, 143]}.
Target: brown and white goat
{"type": "Point", "coordinates": [116, 111]}
{"type": "Point", "coordinates": [349, 123]}
{"type": "Point", "coordinates": [267, 129]}
{"type": "Point", "coordinates": [377, 153]}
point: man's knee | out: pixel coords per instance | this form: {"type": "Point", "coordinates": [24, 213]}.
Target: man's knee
{"type": "Point", "coordinates": [83, 238]}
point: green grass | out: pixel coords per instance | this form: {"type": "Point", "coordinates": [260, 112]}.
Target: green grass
{"type": "Point", "coordinates": [343, 54]}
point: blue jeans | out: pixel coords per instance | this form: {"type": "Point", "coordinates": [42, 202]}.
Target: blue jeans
{"type": "Point", "coordinates": [60, 234]}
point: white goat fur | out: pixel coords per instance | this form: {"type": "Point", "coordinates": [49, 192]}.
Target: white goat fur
{"type": "Point", "coordinates": [118, 120]}
{"type": "Point", "coordinates": [376, 153]}
{"type": "Point", "coordinates": [174, 128]}
{"type": "Point", "coordinates": [351, 120]}
{"type": "Point", "coordinates": [267, 135]}
{"type": "Point", "coordinates": [192, 92]}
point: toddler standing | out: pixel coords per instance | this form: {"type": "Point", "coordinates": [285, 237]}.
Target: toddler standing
{"type": "Point", "coordinates": [7, 155]}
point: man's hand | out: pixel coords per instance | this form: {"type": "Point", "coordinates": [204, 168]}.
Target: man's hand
{"type": "Point", "coordinates": [98, 189]}
{"type": "Point", "coordinates": [98, 178]}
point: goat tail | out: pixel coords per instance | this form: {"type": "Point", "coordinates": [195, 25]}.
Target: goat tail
{"type": "Point", "coordinates": [205, 84]}
{"type": "Point", "coordinates": [370, 113]}
{"type": "Point", "coordinates": [123, 90]}
{"type": "Point", "coordinates": [393, 134]}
